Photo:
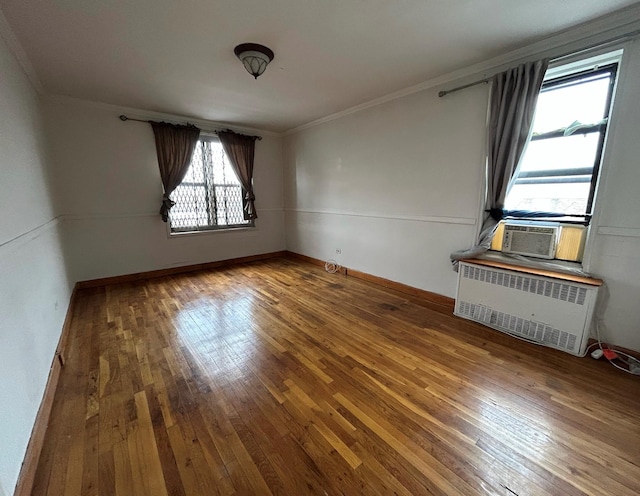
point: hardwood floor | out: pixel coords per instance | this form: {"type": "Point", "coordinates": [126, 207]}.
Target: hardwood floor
{"type": "Point", "coordinates": [279, 378]}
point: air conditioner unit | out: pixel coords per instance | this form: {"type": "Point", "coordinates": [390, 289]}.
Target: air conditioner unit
{"type": "Point", "coordinates": [535, 239]}
{"type": "Point", "coordinates": [545, 310]}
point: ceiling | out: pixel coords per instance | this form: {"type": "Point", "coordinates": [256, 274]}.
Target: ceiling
{"type": "Point", "coordinates": [177, 56]}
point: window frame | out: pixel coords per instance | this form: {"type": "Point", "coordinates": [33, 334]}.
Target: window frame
{"type": "Point", "coordinates": [611, 68]}
{"type": "Point", "coordinates": [208, 185]}
{"type": "Point", "coordinates": [565, 66]}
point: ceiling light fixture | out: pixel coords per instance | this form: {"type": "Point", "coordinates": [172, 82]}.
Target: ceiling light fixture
{"type": "Point", "coordinates": [254, 57]}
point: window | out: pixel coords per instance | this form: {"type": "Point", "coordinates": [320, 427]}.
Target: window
{"type": "Point", "coordinates": [559, 169]}
{"type": "Point", "coordinates": [210, 196]}
{"type": "Point", "coordinates": [557, 177]}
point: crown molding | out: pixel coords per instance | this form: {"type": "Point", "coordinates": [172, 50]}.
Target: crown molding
{"type": "Point", "coordinates": [203, 124]}
{"type": "Point", "coordinates": [627, 232]}
{"type": "Point", "coordinates": [15, 47]}
{"type": "Point", "coordinates": [576, 38]}
{"type": "Point", "coordinates": [573, 39]}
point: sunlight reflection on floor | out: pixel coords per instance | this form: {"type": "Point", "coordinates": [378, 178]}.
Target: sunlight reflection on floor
{"type": "Point", "coordinates": [218, 334]}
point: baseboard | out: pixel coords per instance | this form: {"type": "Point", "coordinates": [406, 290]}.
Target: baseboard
{"type": "Point", "coordinates": [313, 261]}
{"type": "Point", "coordinates": [139, 276]}
{"type": "Point", "coordinates": [436, 298]}
{"type": "Point", "coordinates": [445, 302]}
{"type": "Point", "coordinates": [34, 448]}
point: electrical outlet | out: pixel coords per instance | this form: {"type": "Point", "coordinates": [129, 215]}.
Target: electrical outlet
{"type": "Point", "coordinates": [338, 251]}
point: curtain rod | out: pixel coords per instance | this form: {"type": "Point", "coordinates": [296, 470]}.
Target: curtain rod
{"type": "Point", "coordinates": [124, 118]}
{"type": "Point", "coordinates": [554, 59]}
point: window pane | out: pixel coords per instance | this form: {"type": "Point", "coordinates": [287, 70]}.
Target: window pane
{"type": "Point", "coordinates": [217, 156]}
{"type": "Point", "coordinates": [556, 173]}
{"type": "Point", "coordinates": [558, 108]}
{"type": "Point", "coordinates": [570, 199]}
{"type": "Point", "coordinates": [230, 209]}
{"type": "Point", "coordinates": [569, 152]}
{"type": "Point", "coordinates": [210, 195]}
{"type": "Point", "coordinates": [196, 169]}
{"type": "Point", "coordinates": [191, 207]}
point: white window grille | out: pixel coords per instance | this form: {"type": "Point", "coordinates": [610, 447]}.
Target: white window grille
{"type": "Point", "coordinates": [210, 196]}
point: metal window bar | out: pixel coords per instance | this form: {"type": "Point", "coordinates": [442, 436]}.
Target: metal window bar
{"type": "Point", "coordinates": [224, 196]}
{"type": "Point", "coordinates": [210, 197]}
{"type": "Point", "coordinates": [207, 161]}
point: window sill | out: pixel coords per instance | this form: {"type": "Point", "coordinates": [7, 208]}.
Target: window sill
{"type": "Point", "coordinates": [561, 266]}
{"type": "Point", "coordinates": [225, 230]}
{"type": "Point", "coordinates": [554, 272]}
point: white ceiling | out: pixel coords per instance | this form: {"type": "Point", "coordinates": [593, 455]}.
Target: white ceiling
{"type": "Point", "coordinates": [177, 56]}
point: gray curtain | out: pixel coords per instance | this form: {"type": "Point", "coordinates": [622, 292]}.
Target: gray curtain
{"type": "Point", "coordinates": [174, 145]}
{"type": "Point", "coordinates": [240, 151]}
{"type": "Point", "coordinates": [514, 94]}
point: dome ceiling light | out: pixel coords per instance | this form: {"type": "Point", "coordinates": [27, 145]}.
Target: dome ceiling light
{"type": "Point", "coordinates": [254, 57]}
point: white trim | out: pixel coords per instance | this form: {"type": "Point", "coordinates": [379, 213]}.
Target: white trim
{"type": "Point", "coordinates": [241, 231]}
{"type": "Point", "coordinates": [15, 47]}
{"type": "Point", "coordinates": [587, 62]}
{"type": "Point", "coordinates": [209, 136]}
{"type": "Point", "coordinates": [572, 39]}
{"type": "Point", "coordinates": [627, 232]}
{"type": "Point", "coordinates": [605, 159]}
{"type": "Point", "coordinates": [605, 56]}
{"type": "Point", "coordinates": [100, 216]}
{"type": "Point", "coordinates": [24, 238]}
{"type": "Point", "coordinates": [411, 218]}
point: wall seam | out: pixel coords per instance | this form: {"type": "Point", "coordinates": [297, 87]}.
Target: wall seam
{"type": "Point", "coordinates": [27, 236]}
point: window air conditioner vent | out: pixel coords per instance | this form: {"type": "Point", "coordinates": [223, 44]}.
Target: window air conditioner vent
{"type": "Point", "coordinates": [535, 239]}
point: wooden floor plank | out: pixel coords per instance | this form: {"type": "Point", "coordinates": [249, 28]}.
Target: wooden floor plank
{"type": "Point", "coordinates": [276, 377]}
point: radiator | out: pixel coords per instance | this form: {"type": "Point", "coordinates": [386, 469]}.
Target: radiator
{"type": "Point", "coordinates": [548, 311]}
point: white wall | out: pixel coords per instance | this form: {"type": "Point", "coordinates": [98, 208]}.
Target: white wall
{"type": "Point", "coordinates": [396, 187]}
{"type": "Point", "coordinates": [616, 247]}
{"type": "Point", "coordinates": [34, 288]}
{"type": "Point", "coordinates": [107, 176]}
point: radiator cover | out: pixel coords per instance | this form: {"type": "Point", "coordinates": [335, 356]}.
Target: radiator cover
{"type": "Point", "coordinates": [548, 311]}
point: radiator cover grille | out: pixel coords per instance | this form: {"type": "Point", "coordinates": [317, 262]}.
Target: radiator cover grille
{"type": "Point", "coordinates": [534, 331]}
{"type": "Point", "coordinates": [548, 311]}
{"type": "Point", "coordinates": [529, 284]}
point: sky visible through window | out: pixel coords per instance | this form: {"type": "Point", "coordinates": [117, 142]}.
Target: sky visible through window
{"type": "Point", "coordinates": [558, 108]}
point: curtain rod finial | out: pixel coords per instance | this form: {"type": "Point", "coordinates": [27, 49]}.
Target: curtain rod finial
{"type": "Point", "coordinates": [442, 93]}
{"type": "Point", "coordinates": [124, 118]}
